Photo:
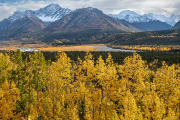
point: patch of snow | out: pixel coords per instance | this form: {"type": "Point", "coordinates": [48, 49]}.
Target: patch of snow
{"type": "Point", "coordinates": [19, 15]}
{"type": "Point", "coordinates": [47, 18]}
{"type": "Point", "coordinates": [176, 18]}
{"type": "Point", "coordinates": [51, 12]}
{"type": "Point", "coordinates": [161, 18]}
{"type": "Point", "coordinates": [131, 16]}
{"type": "Point", "coordinates": [90, 8]}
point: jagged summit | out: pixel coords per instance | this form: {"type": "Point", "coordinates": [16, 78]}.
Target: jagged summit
{"type": "Point", "coordinates": [51, 12]}
{"type": "Point", "coordinates": [19, 15]}
{"type": "Point", "coordinates": [131, 16]}
{"type": "Point", "coordinates": [53, 5]}
{"type": "Point", "coordinates": [128, 12]}
{"type": "Point", "coordinates": [176, 18]}
{"type": "Point", "coordinates": [90, 8]}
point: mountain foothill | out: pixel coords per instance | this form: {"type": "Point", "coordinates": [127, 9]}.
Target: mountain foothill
{"type": "Point", "coordinates": [81, 25]}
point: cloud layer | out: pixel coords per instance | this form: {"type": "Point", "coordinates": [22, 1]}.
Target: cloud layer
{"type": "Point", "coordinates": [166, 7]}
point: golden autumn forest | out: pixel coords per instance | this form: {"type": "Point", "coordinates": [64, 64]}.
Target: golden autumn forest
{"type": "Point", "coordinates": [85, 89]}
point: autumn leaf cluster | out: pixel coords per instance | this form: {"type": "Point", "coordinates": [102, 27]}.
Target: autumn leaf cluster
{"type": "Point", "coordinates": [87, 89]}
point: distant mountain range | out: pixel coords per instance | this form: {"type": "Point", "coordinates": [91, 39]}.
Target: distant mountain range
{"type": "Point", "coordinates": [55, 21]}
{"type": "Point", "coordinates": [88, 19]}
{"type": "Point", "coordinates": [133, 17]}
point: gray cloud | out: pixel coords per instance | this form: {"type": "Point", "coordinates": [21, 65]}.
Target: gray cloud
{"type": "Point", "coordinates": [166, 7]}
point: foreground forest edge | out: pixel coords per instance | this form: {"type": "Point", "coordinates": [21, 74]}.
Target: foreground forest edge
{"type": "Point", "coordinates": [86, 89]}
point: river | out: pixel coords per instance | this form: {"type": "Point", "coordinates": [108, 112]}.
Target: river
{"type": "Point", "coordinates": [105, 48]}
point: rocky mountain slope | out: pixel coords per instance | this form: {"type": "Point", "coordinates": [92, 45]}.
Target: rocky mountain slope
{"type": "Point", "coordinates": [177, 25]}
{"type": "Point", "coordinates": [88, 19]}
{"type": "Point", "coordinates": [47, 14]}
{"type": "Point", "coordinates": [25, 25]}
{"type": "Point", "coordinates": [152, 25]}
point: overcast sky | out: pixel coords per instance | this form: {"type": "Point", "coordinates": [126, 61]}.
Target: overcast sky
{"type": "Point", "coordinates": [166, 7]}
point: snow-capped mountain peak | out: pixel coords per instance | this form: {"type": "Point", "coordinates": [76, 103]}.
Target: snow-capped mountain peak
{"type": "Point", "coordinates": [161, 18]}
{"type": "Point", "coordinates": [128, 12]}
{"type": "Point", "coordinates": [51, 12]}
{"type": "Point", "coordinates": [50, 8]}
{"type": "Point", "coordinates": [19, 15]}
{"type": "Point", "coordinates": [132, 17]}
{"type": "Point", "coordinates": [149, 16]}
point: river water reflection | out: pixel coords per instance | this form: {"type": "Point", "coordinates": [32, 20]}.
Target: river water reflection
{"type": "Point", "coordinates": [105, 48]}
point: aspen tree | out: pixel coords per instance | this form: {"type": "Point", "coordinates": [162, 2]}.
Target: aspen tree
{"type": "Point", "coordinates": [130, 111]}
{"type": "Point", "coordinates": [107, 79]}
{"type": "Point", "coordinates": [167, 86]}
{"type": "Point", "coordinates": [133, 75]}
{"type": "Point", "coordinates": [5, 67]}
{"type": "Point", "coordinates": [9, 96]}
{"type": "Point", "coordinates": [59, 81]}
{"type": "Point", "coordinates": [112, 82]}
{"type": "Point", "coordinates": [85, 81]}
{"type": "Point", "coordinates": [101, 80]}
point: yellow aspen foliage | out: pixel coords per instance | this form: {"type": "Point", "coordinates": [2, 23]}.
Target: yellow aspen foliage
{"type": "Point", "coordinates": [75, 115]}
{"type": "Point", "coordinates": [88, 70]}
{"type": "Point", "coordinates": [112, 82]}
{"type": "Point", "coordinates": [130, 111]}
{"type": "Point", "coordinates": [5, 67]}
{"type": "Point", "coordinates": [171, 115]}
{"type": "Point", "coordinates": [8, 99]}
{"type": "Point", "coordinates": [107, 80]}
{"type": "Point", "coordinates": [59, 85]}
{"type": "Point", "coordinates": [134, 72]}
{"type": "Point", "coordinates": [88, 108]}
{"type": "Point", "coordinates": [87, 89]}
{"type": "Point", "coordinates": [153, 106]}
{"type": "Point", "coordinates": [33, 113]}
{"type": "Point", "coordinates": [102, 82]}
{"type": "Point", "coordinates": [41, 109]}
{"type": "Point", "coordinates": [167, 84]}
{"type": "Point", "coordinates": [115, 116]}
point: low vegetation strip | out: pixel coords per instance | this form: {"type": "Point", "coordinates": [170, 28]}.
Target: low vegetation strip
{"type": "Point", "coordinates": [69, 48]}
{"type": "Point", "coordinates": [147, 47]}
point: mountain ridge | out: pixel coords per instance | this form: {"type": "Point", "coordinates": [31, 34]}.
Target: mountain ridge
{"type": "Point", "coordinates": [177, 25]}
{"type": "Point", "coordinates": [133, 17]}
{"type": "Point", "coordinates": [25, 25]}
{"type": "Point", "coordinates": [87, 18]}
